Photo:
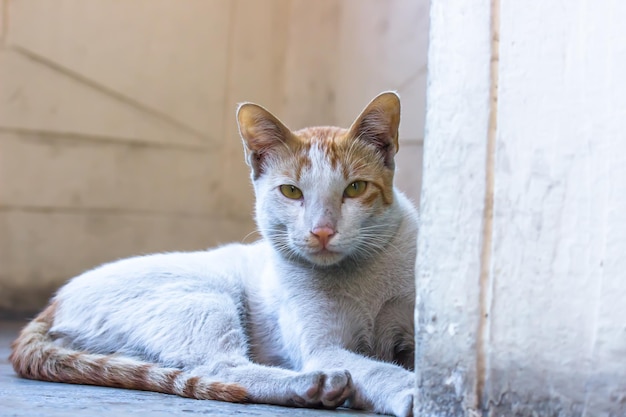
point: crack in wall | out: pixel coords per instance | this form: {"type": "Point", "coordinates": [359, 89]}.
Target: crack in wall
{"type": "Point", "coordinates": [486, 281]}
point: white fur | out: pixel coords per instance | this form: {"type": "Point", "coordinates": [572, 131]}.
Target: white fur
{"type": "Point", "coordinates": [276, 316]}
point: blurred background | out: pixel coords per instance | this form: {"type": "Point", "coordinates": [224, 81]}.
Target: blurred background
{"type": "Point", "coordinates": [117, 118]}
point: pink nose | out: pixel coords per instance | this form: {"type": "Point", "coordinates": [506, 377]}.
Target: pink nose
{"type": "Point", "coordinates": [323, 234]}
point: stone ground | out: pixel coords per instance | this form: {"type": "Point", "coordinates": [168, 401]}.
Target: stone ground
{"type": "Point", "coordinates": [22, 397]}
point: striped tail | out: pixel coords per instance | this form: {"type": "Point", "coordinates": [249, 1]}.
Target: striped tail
{"type": "Point", "coordinates": [35, 356]}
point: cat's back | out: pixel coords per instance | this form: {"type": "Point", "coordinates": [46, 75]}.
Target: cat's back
{"type": "Point", "coordinates": [184, 271]}
{"type": "Point", "coordinates": [133, 289]}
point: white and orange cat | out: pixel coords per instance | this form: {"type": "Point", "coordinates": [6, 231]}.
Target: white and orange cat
{"type": "Point", "coordinates": [318, 313]}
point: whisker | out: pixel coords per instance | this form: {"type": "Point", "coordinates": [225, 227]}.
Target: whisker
{"type": "Point", "coordinates": [257, 231]}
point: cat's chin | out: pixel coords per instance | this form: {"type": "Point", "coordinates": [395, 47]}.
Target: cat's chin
{"type": "Point", "coordinates": [324, 257]}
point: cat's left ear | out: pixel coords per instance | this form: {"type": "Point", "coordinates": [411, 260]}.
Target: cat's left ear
{"type": "Point", "coordinates": [378, 125]}
{"type": "Point", "coordinates": [261, 132]}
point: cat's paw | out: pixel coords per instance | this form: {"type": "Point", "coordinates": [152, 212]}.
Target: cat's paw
{"type": "Point", "coordinates": [395, 395]}
{"type": "Point", "coordinates": [326, 389]}
{"type": "Point", "coordinates": [402, 403]}
{"type": "Point", "coordinates": [337, 388]}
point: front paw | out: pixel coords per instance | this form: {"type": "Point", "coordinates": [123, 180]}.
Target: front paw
{"type": "Point", "coordinates": [396, 397]}
{"type": "Point", "coordinates": [325, 389]}
{"type": "Point", "coordinates": [401, 404]}
{"type": "Point", "coordinates": [337, 388]}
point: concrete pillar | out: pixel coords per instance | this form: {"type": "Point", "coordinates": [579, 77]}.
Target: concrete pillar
{"type": "Point", "coordinates": [521, 268]}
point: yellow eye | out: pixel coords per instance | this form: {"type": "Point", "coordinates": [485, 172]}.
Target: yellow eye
{"type": "Point", "coordinates": [291, 191]}
{"type": "Point", "coordinates": [355, 189]}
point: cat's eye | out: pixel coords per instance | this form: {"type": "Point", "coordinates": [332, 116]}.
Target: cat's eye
{"type": "Point", "coordinates": [291, 191]}
{"type": "Point", "coordinates": [355, 189]}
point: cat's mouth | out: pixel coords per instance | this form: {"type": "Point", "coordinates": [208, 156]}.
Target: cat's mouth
{"type": "Point", "coordinates": [324, 256]}
{"type": "Point", "coordinates": [325, 252]}
{"type": "Point", "coordinates": [317, 254]}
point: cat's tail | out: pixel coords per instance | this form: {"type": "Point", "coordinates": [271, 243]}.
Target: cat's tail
{"type": "Point", "coordinates": [35, 356]}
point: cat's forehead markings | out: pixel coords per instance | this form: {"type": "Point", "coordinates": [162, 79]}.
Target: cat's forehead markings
{"type": "Point", "coordinates": [324, 143]}
{"type": "Point", "coordinates": [350, 157]}
{"type": "Point", "coordinates": [298, 164]}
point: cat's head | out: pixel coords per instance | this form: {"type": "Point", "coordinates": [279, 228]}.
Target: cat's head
{"type": "Point", "coordinates": [324, 194]}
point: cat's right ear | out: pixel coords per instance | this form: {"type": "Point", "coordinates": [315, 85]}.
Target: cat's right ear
{"type": "Point", "coordinates": [261, 131]}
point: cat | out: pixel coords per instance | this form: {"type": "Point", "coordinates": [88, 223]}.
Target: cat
{"type": "Point", "coordinates": [318, 313]}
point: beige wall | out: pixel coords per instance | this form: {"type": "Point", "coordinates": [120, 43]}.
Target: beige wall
{"type": "Point", "coordinates": [117, 129]}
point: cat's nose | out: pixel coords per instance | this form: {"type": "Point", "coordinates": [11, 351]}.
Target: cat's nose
{"type": "Point", "coordinates": [323, 234]}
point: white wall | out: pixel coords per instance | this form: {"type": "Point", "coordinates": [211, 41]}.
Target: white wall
{"type": "Point", "coordinates": [521, 267]}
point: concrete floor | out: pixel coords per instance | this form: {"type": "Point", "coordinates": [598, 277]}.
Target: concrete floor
{"type": "Point", "coordinates": [22, 397]}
